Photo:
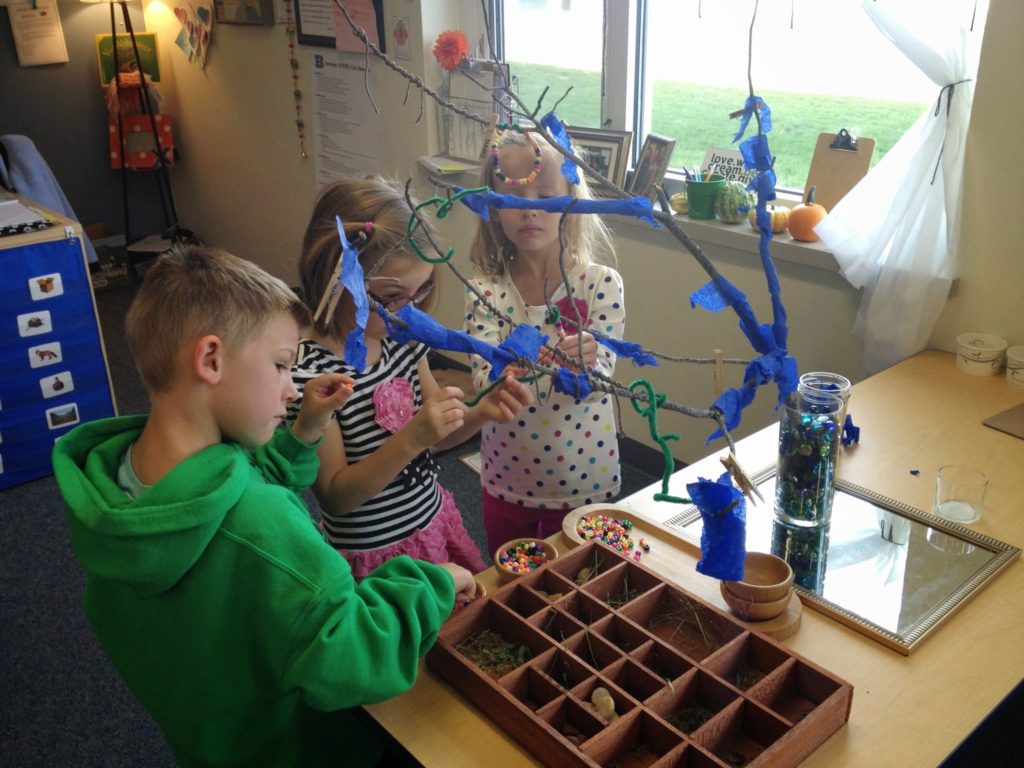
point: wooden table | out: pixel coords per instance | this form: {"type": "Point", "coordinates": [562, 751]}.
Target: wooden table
{"type": "Point", "coordinates": [910, 711]}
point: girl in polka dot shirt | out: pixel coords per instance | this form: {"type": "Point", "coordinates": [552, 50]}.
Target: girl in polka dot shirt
{"type": "Point", "coordinates": [561, 452]}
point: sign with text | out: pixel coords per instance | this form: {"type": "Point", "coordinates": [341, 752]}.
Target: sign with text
{"type": "Point", "coordinates": [729, 163]}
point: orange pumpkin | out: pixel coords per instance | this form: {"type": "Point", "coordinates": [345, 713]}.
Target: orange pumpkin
{"type": "Point", "coordinates": [804, 218]}
{"type": "Point", "coordinates": [779, 218]}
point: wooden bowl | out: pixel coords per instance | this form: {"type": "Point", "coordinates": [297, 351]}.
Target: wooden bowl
{"type": "Point", "coordinates": [528, 555]}
{"type": "Point", "coordinates": [766, 579]}
{"type": "Point", "coordinates": [750, 610]}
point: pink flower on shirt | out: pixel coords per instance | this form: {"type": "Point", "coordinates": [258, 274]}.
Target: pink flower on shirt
{"type": "Point", "coordinates": [568, 324]}
{"type": "Point", "coordinates": [393, 404]}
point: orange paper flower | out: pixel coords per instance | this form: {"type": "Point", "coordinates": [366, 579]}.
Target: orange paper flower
{"type": "Point", "coordinates": [450, 48]}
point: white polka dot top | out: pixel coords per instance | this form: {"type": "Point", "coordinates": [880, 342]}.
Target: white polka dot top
{"type": "Point", "coordinates": [560, 452]}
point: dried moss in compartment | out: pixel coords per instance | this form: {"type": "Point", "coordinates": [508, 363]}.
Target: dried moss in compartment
{"type": "Point", "coordinates": [621, 585]}
{"type": "Point", "coordinates": [746, 661]}
{"type": "Point", "coordinates": [495, 655]}
{"type": "Point", "coordinates": [681, 622]}
{"type": "Point", "coordinates": [695, 700]}
{"type": "Point", "coordinates": [692, 717]}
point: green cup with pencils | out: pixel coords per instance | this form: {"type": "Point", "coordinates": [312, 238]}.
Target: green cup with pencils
{"type": "Point", "coordinates": [700, 194]}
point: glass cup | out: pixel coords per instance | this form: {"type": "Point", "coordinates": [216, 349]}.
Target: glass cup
{"type": "Point", "coordinates": [809, 439]}
{"type": "Point", "coordinates": [960, 493]}
{"type": "Point", "coordinates": [833, 383]}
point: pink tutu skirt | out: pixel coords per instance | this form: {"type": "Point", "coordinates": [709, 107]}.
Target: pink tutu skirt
{"type": "Point", "coordinates": [444, 540]}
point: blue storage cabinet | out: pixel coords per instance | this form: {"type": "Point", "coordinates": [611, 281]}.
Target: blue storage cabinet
{"type": "Point", "coordinates": [53, 367]}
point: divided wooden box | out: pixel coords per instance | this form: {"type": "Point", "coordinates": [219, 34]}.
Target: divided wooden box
{"type": "Point", "coordinates": [692, 685]}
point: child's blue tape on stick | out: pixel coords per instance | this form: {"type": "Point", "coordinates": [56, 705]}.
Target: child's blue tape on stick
{"type": "Point", "coordinates": [723, 511]}
{"type": "Point", "coordinates": [481, 203]}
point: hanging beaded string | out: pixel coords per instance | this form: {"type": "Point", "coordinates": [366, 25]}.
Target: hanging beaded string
{"type": "Point", "coordinates": [300, 124]}
{"type": "Point", "coordinates": [499, 131]}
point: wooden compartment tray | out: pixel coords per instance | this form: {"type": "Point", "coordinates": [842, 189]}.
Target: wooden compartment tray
{"type": "Point", "coordinates": [692, 685]}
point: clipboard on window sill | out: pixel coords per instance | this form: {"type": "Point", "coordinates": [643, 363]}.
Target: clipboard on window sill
{"type": "Point", "coordinates": [838, 163]}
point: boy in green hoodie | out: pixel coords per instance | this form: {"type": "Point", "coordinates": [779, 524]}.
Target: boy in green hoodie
{"type": "Point", "coordinates": [238, 627]}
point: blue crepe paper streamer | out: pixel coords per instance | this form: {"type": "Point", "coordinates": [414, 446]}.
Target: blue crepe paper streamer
{"type": "Point", "coordinates": [573, 384]}
{"type": "Point", "coordinates": [352, 279]}
{"type": "Point", "coordinates": [628, 349]}
{"type": "Point", "coordinates": [774, 363]}
{"type": "Point", "coordinates": [637, 207]}
{"type": "Point", "coordinates": [723, 511]}
{"type": "Point", "coordinates": [553, 124]}
{"type": "Point", "coordinates": [851, 433]}
{"type": "Point", "coordinates": [748, 111]}
{"type": "Point", "coordinates": [524, 342]}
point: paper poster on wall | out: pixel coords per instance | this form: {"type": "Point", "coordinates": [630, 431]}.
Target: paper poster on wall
{"type": "Point", "coordinates": [368, 14]}
{"type": "Point", "coordinates": [38, 34]}
{"type": "Point", "coordinates": [401, 48]}
{"type": "Point", "coordinates": [346, 129]}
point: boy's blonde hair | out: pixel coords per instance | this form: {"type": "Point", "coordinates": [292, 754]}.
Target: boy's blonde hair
{"type": "Point", "coordinates": [587, 237]}
{"type": "Point", "coordinates": [196, 290]}
{"type": "Point", "coordinates": [375, 216]}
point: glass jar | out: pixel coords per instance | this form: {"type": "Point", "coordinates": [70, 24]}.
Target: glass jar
{"type": "Point", "coordinates": [809, 438]}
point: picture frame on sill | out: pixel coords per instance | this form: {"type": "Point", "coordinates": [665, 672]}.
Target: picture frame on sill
{"type": "Point", "coordinates": [251, 12]}
{"type": "Point", "coordinates": [606, 151]}
{"type": "Point", "coordinates": [652, 165]}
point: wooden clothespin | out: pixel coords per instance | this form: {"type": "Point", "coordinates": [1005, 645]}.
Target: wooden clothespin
{"type": "Point", "coordinates": [331, 293]}
{"type": "Point", "coordinates": [488, 138]}
{"type": "Point", "coordinates": [718, 383]}
{"type": "Point", "coordinates": [741, 478]}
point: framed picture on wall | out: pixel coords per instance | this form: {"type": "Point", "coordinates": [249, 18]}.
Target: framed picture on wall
{"type": "Point", "coordinates": [606, 151]}
{"type": "Point", "coordinates": [654, 158]}
{"type": "Point", "coordinates": [258, 12]}
{"type": "Point", "coordinates": [320, 23]}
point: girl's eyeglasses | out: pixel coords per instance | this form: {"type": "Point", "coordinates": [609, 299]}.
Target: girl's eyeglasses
{"type": "Point", "coordinates": [392, 303]}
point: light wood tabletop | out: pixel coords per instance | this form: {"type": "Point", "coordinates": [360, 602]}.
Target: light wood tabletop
{"type": "Point", "coordinates": [907, 710]}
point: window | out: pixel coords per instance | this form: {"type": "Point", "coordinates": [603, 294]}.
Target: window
{"type": "Point", "coordinates": [679, 67]}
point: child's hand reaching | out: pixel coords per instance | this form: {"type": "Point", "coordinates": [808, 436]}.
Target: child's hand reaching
{"type": "Point", "coordinates": [442, 413]}
{"type": "Point", "coordinates": [503, 402]}
{"type": "Point", "coordinates": [465, 585]}
{"type": "Point", "coordinates": [570, 346]}
{"type": "Point", "coordinates": [321, 397]}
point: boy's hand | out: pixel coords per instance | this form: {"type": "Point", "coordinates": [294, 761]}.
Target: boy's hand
{"type": "Point", "coordinates": [321, 397]}
{"type": "Point", "coordinates": [441, 414]}
{"type": "Point", "coordinates": [465, 585]}
{"type": "Point", "coordinates": [503, 402]}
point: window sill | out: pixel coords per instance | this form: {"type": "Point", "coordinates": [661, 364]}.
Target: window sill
{"type": "Point", "coordinates": [743, 239]}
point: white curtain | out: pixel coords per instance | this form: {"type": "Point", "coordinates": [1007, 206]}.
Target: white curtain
{"type": "Point", "coordinates": [894, 234]}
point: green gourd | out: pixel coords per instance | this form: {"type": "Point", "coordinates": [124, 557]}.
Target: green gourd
{"type": "Point", "coordinates": [733, 202]}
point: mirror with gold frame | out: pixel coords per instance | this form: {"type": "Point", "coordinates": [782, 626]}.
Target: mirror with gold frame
{"type": "Point", "coordinates": [886, 569]}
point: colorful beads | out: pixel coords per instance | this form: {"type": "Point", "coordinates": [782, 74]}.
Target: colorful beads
{"type": "Point", "coordinates": [524, 557]}
{"type": "Point", "coordinates": [609, 531]}
{"type": "Point", "coordinates": [495, 151]}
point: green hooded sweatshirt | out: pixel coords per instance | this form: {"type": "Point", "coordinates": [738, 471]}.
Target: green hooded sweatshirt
{"type": "Point", "coordinates": [239, 629]}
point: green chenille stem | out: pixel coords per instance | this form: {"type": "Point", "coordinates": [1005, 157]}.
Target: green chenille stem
{"type": "Point", "coordinates": [655, 399]}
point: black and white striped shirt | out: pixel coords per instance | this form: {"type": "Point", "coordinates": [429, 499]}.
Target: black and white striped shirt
{"type": "Point", "coordinates": [410, 501]}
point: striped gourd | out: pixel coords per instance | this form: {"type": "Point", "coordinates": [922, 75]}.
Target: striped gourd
{"type": "Point", "coordinates": [733, 202]}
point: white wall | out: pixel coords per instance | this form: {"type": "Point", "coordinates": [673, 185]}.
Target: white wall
{"type": "Point", "coordinates": [242, 185]}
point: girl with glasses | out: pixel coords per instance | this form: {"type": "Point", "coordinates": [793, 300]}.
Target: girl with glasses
{"type": "Point", "coordinates": [377, 484]}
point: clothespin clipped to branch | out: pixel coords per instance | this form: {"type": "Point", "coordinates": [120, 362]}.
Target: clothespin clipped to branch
{"type": "Point", "coordinates": [741, 478]}
{"type": "Point", "coordinates": [331, 295]}
{"type": "Point", "coordinates": [488, 138]}
{"type": "Point", "coordinates": [739, 112]}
